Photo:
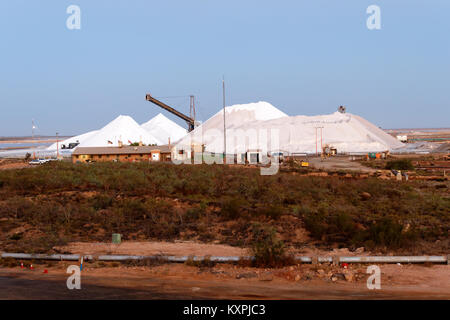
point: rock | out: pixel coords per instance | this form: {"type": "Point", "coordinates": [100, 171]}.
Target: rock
{"type": "Point", "coordinates": [348, 276]}
{"type": "Point", "coordinates": [266, 276]}
{"type": "Point", "coordinates": [297, 278]}
{"type": "Point", "coordinates": [195, 289]}
{"type": "Point", "coordinates": [366, 195]}
{"type": "Point", "coordinates": [334, 279]}
{"type": "Point", "coordinates": [246, 275]}
{"type": "Point", "coordinates": [338, 276]}
{"type": "Point", "coordinates": [360, 250]}
{"type": "Point", "coordinates": [307, 277]}
{"type": "Point", "coordinates": [321, 273]}
{"type": "Point", "coordinates": [291, 268]}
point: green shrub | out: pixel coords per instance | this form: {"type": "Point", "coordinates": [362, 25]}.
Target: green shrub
{"type": "Point", "coordinates": [400, 164]}
{"type": "Point", "coordinates": [273, 211]}
{"type": "Point", "coordinates": [387, 232]}
{"type": "Point", "coordinates": [231, 209]}
{"type": "Point", "coordinates": [267, 249]}
{"type": "Point", "coordinates": [196, 212]}
{"type": "Point", "coordinates": [101, 201]}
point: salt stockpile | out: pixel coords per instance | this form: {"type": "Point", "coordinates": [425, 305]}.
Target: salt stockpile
{"type": "Point", "coordinates": [346, 132]}
{"type": "Point", "coordinates": [163, 128]}
{"type": "Point", "coordinates": [123, 129]}
{"type": "Point", "coordinates": [251, 127]}
{"type": "Point", "coordinates": [210, 133]}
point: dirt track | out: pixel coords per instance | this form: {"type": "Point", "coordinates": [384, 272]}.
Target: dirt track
{"type": "Point", "coordinates": [179, 281]}
{"type": "Point", "coordinates": [339, 163]}
{"type": "Point", "coordinates": [178, 248]}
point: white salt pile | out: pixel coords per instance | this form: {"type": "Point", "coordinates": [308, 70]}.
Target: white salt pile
{"type": "Point", "coordinates": [164, 129]}
{"type": "Point", "coordinates": [252, 126]}
{"type": "Point", "coordinates": [123, 129]}
{"type": "Point", "coordinates": [235, 116]}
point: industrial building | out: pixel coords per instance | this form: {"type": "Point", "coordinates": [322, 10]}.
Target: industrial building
{"type": "Point", "coordinates": [122, 154]}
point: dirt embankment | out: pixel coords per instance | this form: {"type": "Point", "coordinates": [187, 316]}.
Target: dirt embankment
{"type": "Point", "coordinates": [13, 164]}
{"type": "Point", "coordinates": [178, 248]}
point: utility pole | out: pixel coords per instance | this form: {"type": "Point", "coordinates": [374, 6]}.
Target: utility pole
{"type": "Point", "coordinates": [32, 129]}
{"type": "Point", "coordinates": [57, 146]}
{"type": "Point", "coordinates": [321, 146]}
{"type": "Point", "coordinates": [316, 143]}
{"type": "Point", "coordinates": [224, 127]}
{"type": "Point", "coordinates": [32, 136]}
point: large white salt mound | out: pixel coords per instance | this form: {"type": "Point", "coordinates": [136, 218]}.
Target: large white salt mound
{"type": "Point", "coordinates": [348, 133]}
{"type": "Point", "coordinates": [124, 129]}
{"type": "Point", "coordinates": [80, 139]}
{"type": "Point", "coordinates": [249, 125]}
{"type": "Point", "coordinates": [239, 114]}
{"type": "Point", "coordinates": [163, 128]}
{"type": "Point", "coordinates": [210, 133]}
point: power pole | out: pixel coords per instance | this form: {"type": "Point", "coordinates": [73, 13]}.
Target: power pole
{"type": "Point", "coordinates": [316, 143]}
{"type": "Point", "coordinates": [57, 146]}
{"type": "Point", "coordinates": [32, 129]}
{"type": "Point", "coordinates": [32, 136]}
{"type": "Point", "coordinates": [224, 127]}
{"type": "Point", "coordinates": [321, 146]}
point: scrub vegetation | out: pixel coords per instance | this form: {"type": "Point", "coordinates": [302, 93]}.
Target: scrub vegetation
{"type": "Point", "coordinates": [59, 202]}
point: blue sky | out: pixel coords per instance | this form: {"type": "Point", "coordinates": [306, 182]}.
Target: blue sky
{"type": "Point", "coordinates": [304, 57]}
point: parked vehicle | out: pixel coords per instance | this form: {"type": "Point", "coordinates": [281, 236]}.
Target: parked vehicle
{"type": "Point", "coordinates": [35, 162]}
{"type": "Point", "coordinates": [41, 161]}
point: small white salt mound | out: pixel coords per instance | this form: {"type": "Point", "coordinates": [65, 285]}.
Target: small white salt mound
{"type": "Point", "coordinates": [80, 138]}
{"type": "Point", "coordinates": [124, 129]}
{"type": "Point", "coordinates": [163, 128]}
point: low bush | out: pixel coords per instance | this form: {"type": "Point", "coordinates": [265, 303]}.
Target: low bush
{"type": "Point", "coordinates": [267, 249]}
{"type": "Point", "coordinates": [231, 209]}
{"type": "Point", "coordinates": [389, 233]}
{"type": "Point", "coordinates": [400, 164]}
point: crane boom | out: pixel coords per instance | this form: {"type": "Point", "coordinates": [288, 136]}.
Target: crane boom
{"type": "Point", "coordinates": [189, 120]}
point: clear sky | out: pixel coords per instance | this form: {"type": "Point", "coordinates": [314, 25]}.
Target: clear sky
{"type": "Point", "coordinates": [304, 57]}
